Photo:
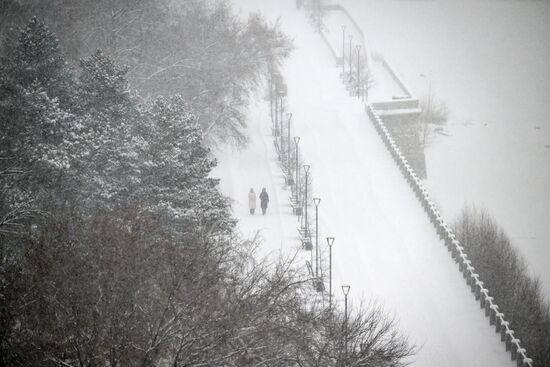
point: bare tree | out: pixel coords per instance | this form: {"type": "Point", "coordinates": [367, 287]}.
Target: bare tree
{"type": "Point", "coordinates": [506, 275]}
{"type": "Point", "coordinates": [433, 116]}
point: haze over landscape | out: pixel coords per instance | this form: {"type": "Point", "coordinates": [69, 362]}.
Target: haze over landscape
{"type": "Point", "coordinates": [306, 183]}
{"type": "Point", "coordinates": [487, 61]}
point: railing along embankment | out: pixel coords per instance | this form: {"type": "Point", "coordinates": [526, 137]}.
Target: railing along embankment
{"type": "Point", "coordinates": [465, 266]}
{"type": "Point", "coordinates": [392, 105]}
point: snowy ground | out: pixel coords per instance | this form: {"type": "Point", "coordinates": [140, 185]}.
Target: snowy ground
{"type": "Point", "coordinates": [488, 61]}
{"type": "Point", "coordinates": [384, 86]}
{"type": "Point", "coordinates": [385, 247]}
{"type": "Point", "coordinates": [257, 167]}
{"type": "Point", "coordinates": [333, 21]}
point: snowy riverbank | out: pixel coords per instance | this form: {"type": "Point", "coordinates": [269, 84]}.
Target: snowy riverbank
{"type": "Point", "coordinates": [495, 80]}
{"type": "Point", "coordinates": [385, 247]}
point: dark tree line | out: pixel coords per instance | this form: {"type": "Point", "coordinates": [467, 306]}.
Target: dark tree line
{"type": "Point", "coordinates": [116, 247]}
{"type": "Point", "coordinates": [505, 273]}
{"type": "Point", "coordinates": [196, 48]}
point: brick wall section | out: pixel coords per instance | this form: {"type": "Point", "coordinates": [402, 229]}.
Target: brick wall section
{"type": "Point", "coordinates": [405, 130]}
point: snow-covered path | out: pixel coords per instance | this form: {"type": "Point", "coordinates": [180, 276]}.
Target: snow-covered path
{"type": "Point", "coordinates": [385, 247]}
{"type": "Point", "coordinates": [257, 167]}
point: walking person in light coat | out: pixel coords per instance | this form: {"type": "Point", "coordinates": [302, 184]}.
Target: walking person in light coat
{"type": "Point", "coordinates": [264, 199]}
{"type": "Point", "coordinates": [252, 201]}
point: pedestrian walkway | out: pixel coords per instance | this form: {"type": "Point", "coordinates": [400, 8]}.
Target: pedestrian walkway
{"type": "Point", "coordinates": [385, 247]}
{"type": "Point", "coordinates": [256, 167]}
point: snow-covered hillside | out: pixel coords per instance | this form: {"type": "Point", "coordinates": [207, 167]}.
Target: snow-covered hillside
{"type": "Point", "coordinates": [385, 247]}
{"type": "Point", "coordinates": [488, 62]}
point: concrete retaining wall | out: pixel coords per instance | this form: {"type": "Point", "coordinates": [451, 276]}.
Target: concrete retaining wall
{"type": "Point", "coordinates": [406, 103]}
{"type": "Point", "coordinates": [396, 77]}
{"type": "Point", "coordinates": [339, 60]}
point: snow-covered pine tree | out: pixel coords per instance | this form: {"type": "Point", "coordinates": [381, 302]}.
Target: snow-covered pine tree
{"type": "Point", "coordinates": [35, 86]}
{"type": "Point", "coordinates": [38, 60]}
{"type": "Point", "coordinates": [175, 166]}
{"type": "Point", "coordinates": [103, 87]}
{"type": "Point", "coordinates": [153, 155]}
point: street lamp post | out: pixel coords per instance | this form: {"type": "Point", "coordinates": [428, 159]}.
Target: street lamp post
{"type": "Point", "coordinates": [350, 56]}
{"type": "Point", "coordinates": [317, 201]}
{"type": "Point", "coordinates": [297, 183]}
{"type": "Point", "coordinates": [343, 49]}
{"type": "Point", "coordinates": [276, 110]}
{"type": "Point", "coordinates": [358, 49]}
{"type": "Point", "coordinates": [306, 170]}
{"type": "Point", "coordinates": [330, 241]}
{"type": "Point", "coordinates": [345, 289]}
{"type": "Point", "coordinates": [281, 126]}
{"type": "Point", "coordinates": [271, 93]}
{"type": "Point", "coordinates": [288, 149]}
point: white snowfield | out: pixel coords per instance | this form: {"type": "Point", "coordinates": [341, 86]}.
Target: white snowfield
{"type": "Point", "coordinates": [494, 152]}
{"type": "Point", "coordinates": [385, 247]}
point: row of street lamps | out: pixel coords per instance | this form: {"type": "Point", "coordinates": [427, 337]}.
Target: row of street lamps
{"type": "Point", "coordinates": [345, 288]}
{"type": "Point", "coordinates": [358, 48]}
{"type": "Point", "coordinates": [350, 53]}
{"type": "Point", "coordinates": [330, 243]}
{"type": "Point", "coordinates": [278, 130]}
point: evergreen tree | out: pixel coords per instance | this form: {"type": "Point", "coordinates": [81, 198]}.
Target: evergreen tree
{"type": "Point", "coordinates": [37, 60]}
{"type": "Point", "coordinates": [136, 261]}
{"type": "Point", "coordinates": [35, 83]}
{"type": "Point", "coordinates": [179, 181]}
{"type": "Point", "coordinates": [103, 87]}
{"type": "Point", "coordinates": [34, 66]}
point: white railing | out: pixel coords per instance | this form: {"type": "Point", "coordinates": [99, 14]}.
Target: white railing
{"type": "Point", "coordinates": [481, 293]}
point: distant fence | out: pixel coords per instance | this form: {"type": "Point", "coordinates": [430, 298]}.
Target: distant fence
{"type": "Point", "coordinates": [481, 293]}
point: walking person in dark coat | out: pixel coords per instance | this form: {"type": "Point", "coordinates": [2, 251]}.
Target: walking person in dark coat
{"type": "Point", "coordinates": [264, 199]}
